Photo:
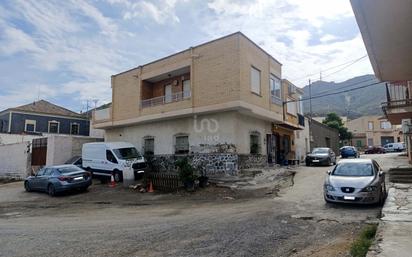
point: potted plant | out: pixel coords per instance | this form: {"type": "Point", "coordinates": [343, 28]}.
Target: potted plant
{"type": "Point", "coordinates": [186, 174]}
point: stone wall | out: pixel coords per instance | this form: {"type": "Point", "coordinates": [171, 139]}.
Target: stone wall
{"type": "Point", "coordinates": [210, 164]}
{"type": "Point", "coordinates": [247, 161]}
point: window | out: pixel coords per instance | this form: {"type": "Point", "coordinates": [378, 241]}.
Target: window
{"type": "Point", "coordinates": [54, 126]}
{"type": "Point", "coordinates": [358, 143]}
{"type": "Point", "coordinates": [30, 125]}
{"type": "Point", "coordinates": [291, 106]}
{"type": "Point", "coordinates": [110, 157]}
{"type": "Point", "coordinates": [255, 80]}
{"type": "Point", "coordinates": [186, 88]}
{"type": "Point", "coordinates": [74, 128]}
{"type": "Point", "coordinates": [182, 145]}
{"type": "Point", "coordinates": [275, 89]}
{"type": "Point", "coordinates": [370, 125]}
{"type": "Point", "coordinates": [149, 146]}
{"type": "Point", "coordinates": [168, 93]}
{"type": "Point", "coordinates": [386, 125]}
{"type": "Point", "coordinates": [255, 143]}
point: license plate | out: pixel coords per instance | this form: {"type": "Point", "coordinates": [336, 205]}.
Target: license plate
{"type": "Point", "coordinates": [349, 197]}
{"type": "Point", "coordinates": [78, 178]}
{"type": "Point", "coordinates": [315, 161]}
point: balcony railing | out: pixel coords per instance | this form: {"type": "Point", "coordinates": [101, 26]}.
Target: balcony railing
{"type": "Point", "coordinates": [102, 114]}
{"type": "Point", "coordinates": [396, 104]}
{"type": "Point", "coordinates": [165, 99]}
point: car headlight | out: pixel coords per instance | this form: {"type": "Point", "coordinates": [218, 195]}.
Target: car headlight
{"type": "Point", "coordinates": [370, 189]}
{"type": "Point", "coordinates": [329, 188]}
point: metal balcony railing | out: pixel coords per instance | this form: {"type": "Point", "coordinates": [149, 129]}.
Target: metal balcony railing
{"type": "Point", "coordinates": [165, 99]}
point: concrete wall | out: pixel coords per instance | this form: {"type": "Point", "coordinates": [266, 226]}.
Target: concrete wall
{"type": "Point", "coordinates": [15, 160]}
{"type": "Point", "coordinates": [203, 131]}
{"type": "Point", "coordinates": [6, 138]}
{"type": "Point", "coordinates": [61, 148]}
{"type": "Point", "coordinates": [319, 135]}
{"type": "Point", "coordinates": [302, 141]}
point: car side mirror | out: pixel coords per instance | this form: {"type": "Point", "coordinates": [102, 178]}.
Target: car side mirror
{"type": "Point", "coordinates": [328, 172]}
{"type": "Point", "coordinates": [380, 173]}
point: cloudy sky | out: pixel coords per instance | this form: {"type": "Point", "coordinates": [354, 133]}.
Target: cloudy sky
{"type": "Point", "coordinates": [66, 51]}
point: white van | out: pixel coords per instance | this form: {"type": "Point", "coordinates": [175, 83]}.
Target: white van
{"type": "Point", "coordinates": [107, 158]}
{"type": "Point", "coordinates": [394, 147]}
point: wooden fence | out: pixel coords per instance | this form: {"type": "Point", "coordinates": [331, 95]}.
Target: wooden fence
{"type": "Point", "coordinates": [164, 182]}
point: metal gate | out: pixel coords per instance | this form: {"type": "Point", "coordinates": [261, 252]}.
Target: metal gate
{"type": "Point", "coordinates": [39, 152]}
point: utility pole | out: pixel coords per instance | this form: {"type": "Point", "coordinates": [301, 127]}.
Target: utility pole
{"type": "Point", "coordinates": [320, 76]}
{"type": "Point", "coordinates": [310, 101]}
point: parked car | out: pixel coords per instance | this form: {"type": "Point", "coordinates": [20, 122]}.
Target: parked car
{"type": "Point", "coordinates": [355, 181]}
{"type": "Point", "coordinates": [75, 160]}
{"type": "Point", "coordinates": [321, 156]}
{"type": "Point", "coordinates": [106, 159]}
{"type": "Point", "coordinates": [349, 151]}
{"type": "Point", "coordinates": [56, 179]}
{"type": "Point", "coordinates": [374, 150]}
{"type": "Point", "coordinates": [394, 147]}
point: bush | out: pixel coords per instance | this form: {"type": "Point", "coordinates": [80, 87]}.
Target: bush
{"type": "Point", "coordinates": [186, 170]}
{"type": "Point", "coordinates": [361, 245]}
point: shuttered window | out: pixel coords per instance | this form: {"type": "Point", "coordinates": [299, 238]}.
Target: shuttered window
{"type": "Point", "coordinates": [255, 80]}
{"type": "Point", "coordinates": [182, 145]}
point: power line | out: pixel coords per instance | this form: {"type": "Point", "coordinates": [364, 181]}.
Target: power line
{"type": "Point", "coordinates": [350, 85]}
{"type": "Point", "coordinates": [351, 62]}
{"type": "Point", "coordinates": [335, 93]}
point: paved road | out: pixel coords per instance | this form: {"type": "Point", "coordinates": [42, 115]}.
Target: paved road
{"type": "Point", "coordinates": [98, 223]}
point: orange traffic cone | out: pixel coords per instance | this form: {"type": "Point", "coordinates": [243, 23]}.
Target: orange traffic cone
{"type": "Point", "coordinates": [150, 188]}
{"type": "Point", "coordinates": [112, 182]}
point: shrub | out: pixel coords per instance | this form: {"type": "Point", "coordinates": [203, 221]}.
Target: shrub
{"type": "Point", "coordinates": [361, 245]}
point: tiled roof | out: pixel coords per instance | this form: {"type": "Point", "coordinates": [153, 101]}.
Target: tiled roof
{"type": "Point", "coordinates": [45, 107]}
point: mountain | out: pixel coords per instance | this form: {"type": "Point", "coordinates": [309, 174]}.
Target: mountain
{"type": "Point", "coordinates": [355, 103]}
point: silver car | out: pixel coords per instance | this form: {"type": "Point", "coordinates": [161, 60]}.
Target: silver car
{"type": "Point", "coordinates": [355, 181]}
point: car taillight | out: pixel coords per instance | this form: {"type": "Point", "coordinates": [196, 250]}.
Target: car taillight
{"type": "Point", "coordinates": [63, 178]}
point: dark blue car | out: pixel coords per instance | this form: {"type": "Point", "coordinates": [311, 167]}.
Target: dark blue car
{"type": "Point", "coordinates": [349, 151]}
{"type": "Point", "coordinates": [56, 179]}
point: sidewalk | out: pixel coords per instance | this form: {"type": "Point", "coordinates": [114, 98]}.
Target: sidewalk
{"type": "Point", "coordinates": [394, 235]}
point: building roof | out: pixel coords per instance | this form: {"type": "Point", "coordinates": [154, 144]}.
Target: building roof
{"type": "Point", "coordinates": [45, 107]}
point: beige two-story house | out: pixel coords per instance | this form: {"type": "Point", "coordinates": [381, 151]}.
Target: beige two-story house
{"type": "Point", "coordinates": [223, 95]}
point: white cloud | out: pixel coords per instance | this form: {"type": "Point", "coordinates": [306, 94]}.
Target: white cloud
{"type": "Point", "coordinates": [287, 29]}
{"type": "Point", "coordinates": [162, 11]}
{"type": "Point", "coordinates": [15, 41]}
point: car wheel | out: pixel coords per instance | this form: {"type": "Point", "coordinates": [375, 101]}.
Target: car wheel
{"type": "Point", "coordinates": [307, 164]}
{"type": "Point", "coordinates": [27, 186]}
{"type": "Point", "coordinates": [117, 176]}
{"type": "Point", "coordinates": [50, 190]}
{"type": "Point", "coordinates": [329, 162]}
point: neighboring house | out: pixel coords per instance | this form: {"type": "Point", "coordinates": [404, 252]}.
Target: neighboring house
{"type": "Point", "coordinates": [42, 117]}
{"type": "Point", "coordinates": [302, 141]}
{"type": "Point", "coordinates": [323, 136]}
{"type": "Point", "coordinates": [373, 130]}
{"type": "Point", "coordinates": [390, 61]}
{"type": "Point", "coordinates": [225, 95]}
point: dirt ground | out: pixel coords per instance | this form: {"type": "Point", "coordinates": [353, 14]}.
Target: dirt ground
{"type": "Point", "coordinates": [212, 222]}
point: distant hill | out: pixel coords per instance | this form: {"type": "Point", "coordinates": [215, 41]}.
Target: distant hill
{"type": "Point", "coordinates": [356, 103]}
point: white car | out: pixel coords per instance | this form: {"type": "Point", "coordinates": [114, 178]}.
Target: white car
{"type": "Point", "coordinates": [394, 147]}
{"type": "Point", "coordinates": [111, 158]}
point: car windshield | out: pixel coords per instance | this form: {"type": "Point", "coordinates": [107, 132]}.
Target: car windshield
{"type": "Point", "coordinates": [126, 153]}
{"type": "Point", "coordinates": [68, 169]}
{"type": "Point", "coordinates": [353, 169]}
{"type": "Point", "coordinates": [320, 150]}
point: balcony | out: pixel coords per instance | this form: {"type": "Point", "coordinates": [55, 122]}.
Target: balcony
{"type": "Point", "coordinates": [102, 115]}
{"type": "Point", "coordinates": [165, 99]}
{"type": "Point", "coordinates": [399, 101]}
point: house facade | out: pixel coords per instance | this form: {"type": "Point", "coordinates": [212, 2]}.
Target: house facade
{"type": "Point", "coordinates": [224, 96]}
{"type": "Point", "coordinates": [42, 117]}
{"type": "Point", "coordinates": [389, 53]}
{"type": "Point", "coordinates": [373, 130]}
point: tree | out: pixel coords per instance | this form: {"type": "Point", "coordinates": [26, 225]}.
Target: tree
{"type": "Point", "coordinates": [332, 120]}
